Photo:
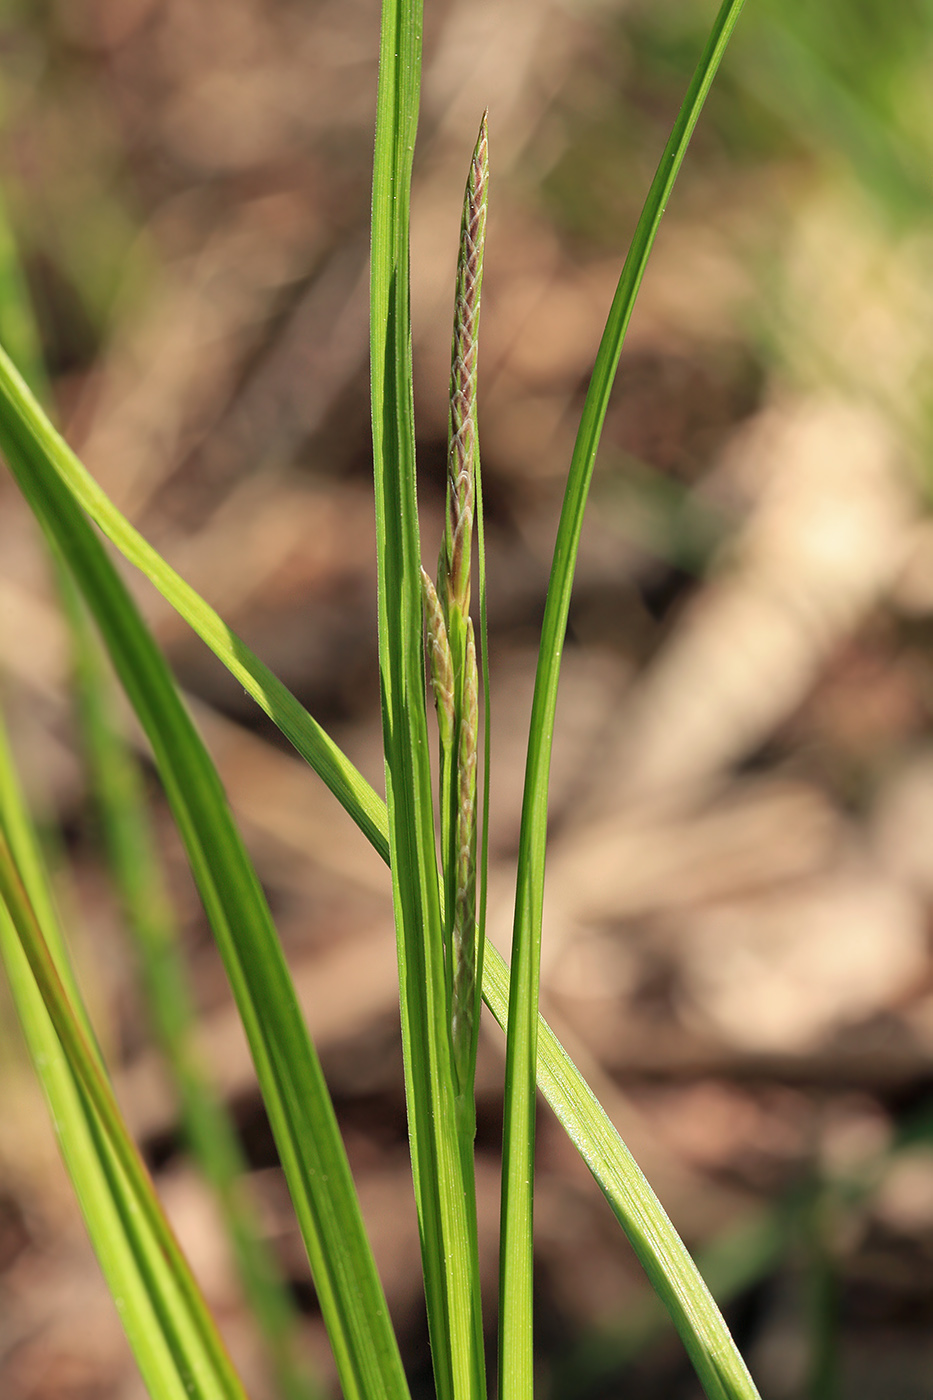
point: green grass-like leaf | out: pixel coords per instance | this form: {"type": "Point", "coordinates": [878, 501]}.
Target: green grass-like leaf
{"type": "Point", "coordinates": [290, 1077]}
{"type": "Point", "coordinates": [136, 873]}
{"type": "Point", "coordinates": [170, 1330]}
{"type": "Point", "coordinates": [165, 1318]}
{"type": "Point", "coordinates": [662, 1253]}
{"type": "Point", "coordinates": [137, 877]}
{"type": "Point", "coordinates": [516, 1350]}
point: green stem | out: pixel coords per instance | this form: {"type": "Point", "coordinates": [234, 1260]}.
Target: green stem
{"type": "Point", "coordinates": [446, 1203]}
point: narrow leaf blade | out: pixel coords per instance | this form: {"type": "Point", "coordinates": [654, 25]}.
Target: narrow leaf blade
{"type": "Point", "coordinates": [516, 1332]}
{"type": "Point", "coordinates": [168, 1325]}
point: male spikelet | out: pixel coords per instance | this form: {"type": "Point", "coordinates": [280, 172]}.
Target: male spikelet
{"type": "Point", "coordinates": [458, 532]}
{"type": "Point", "coordinates": [450, 637]}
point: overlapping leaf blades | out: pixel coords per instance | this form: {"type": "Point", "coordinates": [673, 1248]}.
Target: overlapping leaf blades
{"type": "Point", "coordinates": [289, 1073]}
{"type": "Point", "coordinates": [442, 1173]}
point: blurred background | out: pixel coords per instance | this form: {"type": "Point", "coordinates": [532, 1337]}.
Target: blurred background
{"type": "Point", "coordinates": [737, 941]}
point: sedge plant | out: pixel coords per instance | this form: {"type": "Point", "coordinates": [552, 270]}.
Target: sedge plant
{"type": "Point", "coordinates": [430, 846]}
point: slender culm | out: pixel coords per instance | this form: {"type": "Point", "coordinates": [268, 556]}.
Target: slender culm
{"type": "Point", "coordinates": [463, 1011]}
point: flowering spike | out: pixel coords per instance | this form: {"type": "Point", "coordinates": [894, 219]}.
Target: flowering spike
{"type": "Point", "coordinates": [452, 647]}
{"type": "Point", "coordinates": [458, 534]}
